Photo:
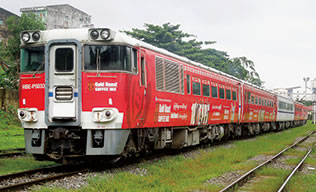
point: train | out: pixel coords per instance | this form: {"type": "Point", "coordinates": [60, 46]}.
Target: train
{"type": "Point", "coordinates": [94, 93]}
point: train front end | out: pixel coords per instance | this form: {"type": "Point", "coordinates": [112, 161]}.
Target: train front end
{"type": "Point", "coordinates": [73, 92]}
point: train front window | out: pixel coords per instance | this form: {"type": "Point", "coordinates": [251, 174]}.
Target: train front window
{"type": "Point", "coordinates": [32, 59]}
{"type": "Point", "coordinates": [108, 58]}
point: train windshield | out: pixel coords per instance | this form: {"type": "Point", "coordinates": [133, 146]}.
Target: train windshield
{"type": "Point", "coordinates": [107, 58]}
{"type": "Point", "coordinates": [32, 59]}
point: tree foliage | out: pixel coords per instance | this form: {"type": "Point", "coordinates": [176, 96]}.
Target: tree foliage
{"type": "Point", "coordinates": [171, 38]}
{"type": "Point", "coordinates": [10, 51]}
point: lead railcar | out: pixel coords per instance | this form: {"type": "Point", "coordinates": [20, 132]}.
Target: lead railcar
{"type": "Point", "coordinates": [95, 92]}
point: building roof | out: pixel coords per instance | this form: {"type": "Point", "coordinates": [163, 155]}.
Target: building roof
{"type": "Point", "coordinates": [7, 12]}
{"type": "Point", "coordinates": [41, 8]}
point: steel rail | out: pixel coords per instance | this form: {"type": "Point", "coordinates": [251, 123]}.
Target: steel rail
{"type": "Point", "coordinates": [16, 149]}
{"type": "Point", "coordinates": [39, 180]}
{"type": "Point", "coordinates": [241, 179]}
{"type": "Point", "coordinates": [11, 154]}
{"type": "Point", "coordinates": [295, 169]}
{"type": "Point", "coordinates": [32, 171]}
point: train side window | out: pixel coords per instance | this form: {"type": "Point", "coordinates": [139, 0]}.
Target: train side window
{"type": "Point", "coordinates": [256, 100]}
{"type": "Point", "coordinates": [214, 92]}
{"type": "Point", "coordinates": [245, 97]}
{"type": "Point", "coordinates": [196, 88]}
{"type": "Point", "coordinates": [134, 69]}
{"type": "Point", "coordinates": [234, 96]}
{"type": "Point", "coordinates": [206, 90]}
{"type": "Point", "coordinates": [142, 66]}
{"type": "Point", "coordinates": [228, 94]}
{"type": "Point", "coordinates": [64, 60]}
{"type": "Point", "coordinates": [252, 99]}
{"type": "Point", "coordinates": [188, 85]}
{"type": "Point", "coordinates": [182, 79]}
{"type": "Point", "coordinates": [249, 97]}
{"type": "Point", "coordinates": [260, 101]}
{"type": "Point", "coordinates": [221, 93]}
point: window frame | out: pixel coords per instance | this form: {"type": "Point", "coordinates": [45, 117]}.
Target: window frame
{"type": "Point", "coordinates": [208, 90]}
{"type": "Point", "coordinates": [223, 89]}
{"type": "Point", "coordinates": [188, 77]}
{"type": "Point", "coordinates": [216, 87]}
{"type": "Point", "coordinates": [235, 95]}
{"type": "Point", "coordinates": [73, 61]}
{"type": "Point", "coordinates": [199, 83]}
{"type": "Point", "coordinates": [109, 71]}
{"type": "Point", "coordinates": [230, 93]}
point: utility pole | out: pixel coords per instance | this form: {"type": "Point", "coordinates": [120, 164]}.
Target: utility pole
{"type": "Point", "coordinates": [306, 79]}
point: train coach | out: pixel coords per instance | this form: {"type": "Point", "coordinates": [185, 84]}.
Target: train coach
{"type": "Point", "coordinates": [99, 93]}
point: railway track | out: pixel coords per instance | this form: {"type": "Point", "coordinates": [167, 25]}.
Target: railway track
{"type": "Point", "coordinates": [27, 178]}
{"type": "Point", "coordinates": [12, 152]}
{"type": "Point", "coordinates": [247, 176]}
{"type": "Point", "coordinates": [282, 188]}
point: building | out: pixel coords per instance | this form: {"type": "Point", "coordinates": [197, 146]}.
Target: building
{"type": "Point", "coordinates": [4, 15]}
{"type": "Point", "coordinates": [60, 16]}
{"type": "Point", "coordinates": [281, 91]}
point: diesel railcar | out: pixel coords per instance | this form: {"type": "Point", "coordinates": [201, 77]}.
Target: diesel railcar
{"type": "Point", "coordinates": [94, 92]}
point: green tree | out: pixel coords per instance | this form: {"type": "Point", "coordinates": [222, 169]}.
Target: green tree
{"type": "Point", "coordinates": [10, 51]}
{"type": "Point", "coordinates": [171, 38]}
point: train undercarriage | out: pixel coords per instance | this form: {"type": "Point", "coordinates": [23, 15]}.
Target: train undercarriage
{"type": "Point", "coordinates": [64, 144]}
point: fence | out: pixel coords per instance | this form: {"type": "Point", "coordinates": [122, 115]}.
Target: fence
{"type": "Point", "coordinates": [8, 98]}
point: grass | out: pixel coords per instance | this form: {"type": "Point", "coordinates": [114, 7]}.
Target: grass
{"type": "Point", "coordinates": [303, 181]}
{"type": "Point", "coordinates": [22, 163]}
{"type": "Point", "coordinates": [10, 126]}
{"type": "Point", "coordinates": [178, 173]}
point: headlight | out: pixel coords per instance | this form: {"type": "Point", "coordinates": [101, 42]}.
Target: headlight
{"type": "Point", "coordinates": [104, 114]}
{"type": "Point", "coordinates": [101, 34]}
{"type": "Point", "coordinates": [94, 34]}
{"type": "Point", "coordinates": [22, 114]}
{"type": "Point", "coordinates": [36, 36]}
{"type": "Point", "coordinates": [25, 37]}
{"type": "Point", "coordinates": [105, 34]}
{"type": "Point", "coordinates": [28, 115]}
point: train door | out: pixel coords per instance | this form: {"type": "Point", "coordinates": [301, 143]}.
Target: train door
{"type": "Point", "coordinates": [142, 88]}
{"type": "Point", "coordinates": [63, 83]}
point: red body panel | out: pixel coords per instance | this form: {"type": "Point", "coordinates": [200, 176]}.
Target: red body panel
{"type": "Point", "coordinates": [143, 106]}
{"type": "Point", "coordinates": [301, 112]}
{"type": "Point", "coordinates": [32, 91]}
{"type": "Point", "coordinates": [258, 111]}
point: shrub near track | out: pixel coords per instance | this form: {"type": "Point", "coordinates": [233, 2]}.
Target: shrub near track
{"type": "Point", "coordinates": [182, 173]}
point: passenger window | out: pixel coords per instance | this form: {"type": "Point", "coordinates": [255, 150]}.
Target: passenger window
{"type": "Point", "coordinates": [64, 60]}
{"type": "Point", "coordinates": [196, 88]}
{"type": "Point", "coordinates": [221, 93]}
{"type": "Point", "coordinates": [134, 69]}
{"type": "Point", "coordinates": [228, 94]}
{"type": "Point", "coordinates": [260, 101]}
{"type": "Point", "coordinates": [214, 92]}
{"type": "Point", "coordinates": [142, 63]}
{"type": "Point", "coordinates": [188, 85]}
{"type": "Point", "coordinates": [206, 90]}
{"type": "Point", "coordinates": [234, 96]}
{"type": "Point", "coordinates": [252, 99]}
{"type": "Point", "coordinates": [256, 100]}
{"type": "Point", "coordinates": [249, 97]}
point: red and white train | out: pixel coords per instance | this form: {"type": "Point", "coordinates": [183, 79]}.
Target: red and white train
{"type": "Point", "coordinates": [96, 92]}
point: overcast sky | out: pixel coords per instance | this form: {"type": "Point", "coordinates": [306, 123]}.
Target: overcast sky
{"type": "Point", "coordinates": [279, 36]}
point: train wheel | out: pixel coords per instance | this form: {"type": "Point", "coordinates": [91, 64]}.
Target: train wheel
{"type": "Point", "coordinates": [257, 128]}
